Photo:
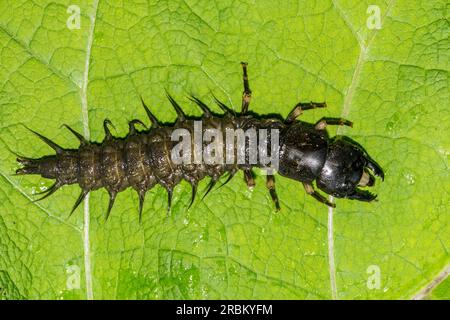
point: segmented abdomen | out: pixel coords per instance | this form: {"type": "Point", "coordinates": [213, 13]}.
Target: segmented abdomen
{"type": "Point", "coordinates": [140, 160]}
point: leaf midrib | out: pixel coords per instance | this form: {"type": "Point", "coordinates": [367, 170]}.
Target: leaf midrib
{"type": "Point", "coordinates": [348, 99]}
{"type": "Point", "coordinates": [87, 135]}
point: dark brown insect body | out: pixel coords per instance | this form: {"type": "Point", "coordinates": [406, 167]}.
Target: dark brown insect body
{"type": "Point", "coordinates": [143, 159]}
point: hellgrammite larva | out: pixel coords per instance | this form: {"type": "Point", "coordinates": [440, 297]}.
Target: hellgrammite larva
{"type": "Point", "coordinates": [141, 159]}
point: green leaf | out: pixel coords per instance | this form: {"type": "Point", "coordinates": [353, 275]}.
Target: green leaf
{"type": "Point", "coordinates": [391, 82]}
{"type": "Point", "coordinates": [442, 291]}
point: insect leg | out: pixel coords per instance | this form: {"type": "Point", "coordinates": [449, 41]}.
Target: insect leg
{"type": "Point", "coordinates": [270, 183]}
{"type": "Point", "coordinates": [302, 106]}
{"type": "Point", "coordinates": [248, 176]}
{"type": "Point", "coordinates": [322, 123]}
{"type": "Point", "coordinates": [310, 190]}
{"type": "Point", "coordinates": [247, 93]}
